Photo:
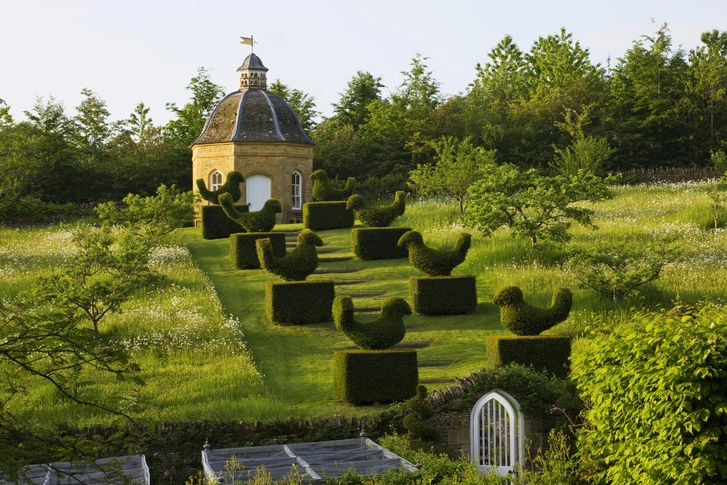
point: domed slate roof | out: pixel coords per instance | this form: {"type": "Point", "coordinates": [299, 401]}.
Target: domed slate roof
{"type": "Point", "coordinates": [253, 115]}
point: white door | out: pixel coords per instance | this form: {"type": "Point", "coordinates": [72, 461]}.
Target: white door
{"type": "Point", "coordinates": [257, 189]}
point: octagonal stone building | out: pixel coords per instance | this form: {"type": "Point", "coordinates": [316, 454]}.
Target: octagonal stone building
{"type": "Point", "coordinates": [258, 134]}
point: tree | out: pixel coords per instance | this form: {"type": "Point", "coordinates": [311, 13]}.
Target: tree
{"type": "Point", "coordinates": [586, 153]}
{"type": "Point", "coordinates": [353, 107]}
{"type": "Point", "coordinates": [303, 104]}
{"type": "Point", "coordinates": [112, 261]}
{"type": "Point", "coordinates": [192, 116]}
{"type": "Point", "coordinates": [532, 205]}
{"type": "Point", "coordinates": [458, 165]}
{"type": "Point", "coordinates": [655, 388]}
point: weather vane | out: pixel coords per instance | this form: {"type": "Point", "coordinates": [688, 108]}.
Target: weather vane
{"type": "Point", "coordinates": [248, 41]}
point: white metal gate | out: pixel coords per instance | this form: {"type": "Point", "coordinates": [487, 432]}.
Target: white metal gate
{"type": "Point", "coordinates": [497, 433]}
{"type": "Point", "coordinates": [257, 191]}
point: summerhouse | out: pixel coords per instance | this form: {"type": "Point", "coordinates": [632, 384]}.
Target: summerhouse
{"type": "Point", "coordinates": [256, 133]}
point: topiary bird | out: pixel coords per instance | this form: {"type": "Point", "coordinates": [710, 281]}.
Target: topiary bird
{"type": "Point", "coordinates": [231, 186]}
{"type": "Point", "coordinates": [323, 191]}
{"type": "Point", "coordinates": [297, 264]}
{"type": "Point", "coordinates": [435, 262]}
{"type": "Point", "coordinates": [377, 216]}
{"type": "Point", "coordinates": [259, 221]}
{"type": "Point", "coordinates": [382, 333]}
{"type": "Point", "coordinates": [420, 411]}
{"type": "Point", "coordinates": [523, 319]}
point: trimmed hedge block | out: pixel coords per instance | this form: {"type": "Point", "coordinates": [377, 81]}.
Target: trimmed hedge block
{"type": "Point", "coordinates": [371, 243]}
{"type": "Point", "coordinates": [216, 224]}
{"type": "Point", "coordinates": [375, 376]}
{"type": "Point", "coordinates": [244, 253]}
{"type": "Point", "coordinates": [443, 295]}
{"type": "Point", "coordinates": [319, 216]}
{"type": "Point", "coordinates": [548, 352]}
{"type": "Point", "coordinates": [299, 302]}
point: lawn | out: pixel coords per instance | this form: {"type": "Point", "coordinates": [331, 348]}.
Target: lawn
{"type": "Point", "coordinates": [207, 349]}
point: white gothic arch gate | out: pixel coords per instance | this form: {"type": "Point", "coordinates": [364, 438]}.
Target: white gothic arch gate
{"type": "Point", "coordinates": [497, 433]}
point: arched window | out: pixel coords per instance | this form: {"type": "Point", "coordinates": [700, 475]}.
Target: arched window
{"type": "Point", "coordinates": [297, 191]}
{"type": "Point", "coordinates": [215, 180]}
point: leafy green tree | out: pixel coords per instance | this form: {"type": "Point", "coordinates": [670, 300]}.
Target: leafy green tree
{"type": "Point", "coordinates": [353, 107]}
{"type": "Point", "coordinates": [656, 388]}
{"type": "Point", "coordinates": [532, 205]}
{"type": "Point", "coordinates": [588, 153]}
{"type": "Point", "coordinates": [458, 164]}
{"type": "Point", "coordinates": [191, 117]}
{"type": "Point", "coordinates": [112, 261]}
{"type": "Point", "coordinates": [302, 103]}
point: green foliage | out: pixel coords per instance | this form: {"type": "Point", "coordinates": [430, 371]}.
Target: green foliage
{"type": "Point", "coordinates": [458, 165]}
{"type": "Point", "coordinates": [216, 224]}
{"type": "Point", "coordinates": [419, 412]}
{"type": "Point", "coordinates": [381, 216]}
{"type": "Point", "coordinates": [30, 209]}
{"type": "Point", "coordinates": [533, 205]}
{"type": "Point", "coordinates": [370, 243]}
{"type": "Point", "coordinates": [231, 186]}
{"type": "Point", "coordinates": [435, 262]}
{"type": "Point", "coordinates": [387, 330]}
{"type": "Point", "coordinates": [656, 389]}
{"type": "Point", "coordinates": [585, 153]}
{"type": "Point", "coordinates": [295, 266]}
{"type": "Point", "coordinates": [443, 295]}
{"type": "Point", "coordinates": [375, 376]}
{"type": "Point", "coordinates": [243, 250]}
{"type": "Point", "coordinates": [547, 353]}
{"type": "Point", "coordinates": [718, 199]}
{"type": "Point", "coordinates": [719, 159]}
{"type": "Point", "coordinates": [191, 118]}
{"type": "Point", "coordinates": [299, 302]}
{"type": "Point", "coordinates": [618, 269]}
{"type": "Point", "coordinates": [523, 319]}
{"type": "Point", "coordinates": [361, 90]}
{"type": "Point", "coordinates": [324, 191]}
{"type": "Point", "coordinates": [319, 216]}
{"type": "Point", "coordinates": [258, 221]}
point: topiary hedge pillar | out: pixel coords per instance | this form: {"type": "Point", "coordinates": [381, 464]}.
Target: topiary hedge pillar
{"type": "Point", "coordinates": [319, 216]}
{"type": "Point", "coordinates": [299, 302]}
{"type": "Point", "coordinates": [544, 352]}
{"type": "Point", "coordinates": [375, 376]}
{"type": "Point", "coordinates": [443, 295]}
{"type": "Point", "coordinates": [372, 243]}
{"type": "Point", "coordinates": [243, 251]}
{"type": "Point", "coordinates": [216, 224]}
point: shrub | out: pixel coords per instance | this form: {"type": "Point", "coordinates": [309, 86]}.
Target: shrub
{"type": "Point", "coordinates": [420, 411]}
{"type": "Point", "coordinates": [375, 376]}
{"type": "Point", "coordinates": [299, 302]}
{"type": "Point", "coordinates": [382, 333]}
{"type": "Point", "coordinates": [435, 262]}
{"type": "Point", "coordinates": [523, 319]}
{"type": "Point", "coordinates": [381, 216]}
{"type": "Point", "coordinates": [30, 209]}
{"type": "Point", "coordinates": [443, 295]}
{"type": "Point", "coordinates": [216, 224]}
{"type": "Point", "coordinates": [319, 216]}
{"type": "Point", "coordinates": [298, 264]}
{"type": "Point", "coordinates": [617, 269]}
{"type": "Point", "coordinates": [243, 251]}
{"type": "Point", "coordinates": [657, 388]}
{"type": "Point", "coordinates": [544, 352]}
{"type": "Point", "coordinates": [371, 243]}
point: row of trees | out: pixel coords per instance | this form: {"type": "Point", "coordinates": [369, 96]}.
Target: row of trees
{"type": "Point", "coordinates": [657, 106]}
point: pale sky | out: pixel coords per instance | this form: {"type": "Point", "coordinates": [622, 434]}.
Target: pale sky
{"type": "Point", "coordinates": [134, 51]}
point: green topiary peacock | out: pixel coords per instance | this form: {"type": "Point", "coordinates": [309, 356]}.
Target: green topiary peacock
{"type": "Point", "coordinates": [382, 333]}
{"type": "Point", "coordinates": [377, 216]}
{"type": "Point", "coordinates": [231, 186]}
{"type": "Point", "coordinates": [523, 319]}
{"type": "Point", "coordinates": [259, 221]}
{"type": "Point", "coordinates": [435, 262]}
{"type": "Point", "coordinates": [323, 191]}
{"type": "Point", "coordinates": [297, 264]}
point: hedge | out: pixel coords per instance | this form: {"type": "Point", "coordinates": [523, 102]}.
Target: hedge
{"type": "Point", "coordinates": [443, 295]}
{"type": "Point", "coordinates": [523, 319]}
{"type": "Point", "coordinates": [544, 352]}
{"type": "Point", "coordinates": [299, 302]}
{"type": "Point", "coordinates": [216, 224]}
{"type": "Point", "coordinates": [371, 243]}
{"type": "Point", "coordinates": [375, 376]}
{"type": "Point", "coordinates": [244, 253]}
{"type": "Point", "coordinates": [319, 216]}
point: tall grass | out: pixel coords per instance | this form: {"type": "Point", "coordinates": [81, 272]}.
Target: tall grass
{"type": "Point", "coordinates": [207, 349]}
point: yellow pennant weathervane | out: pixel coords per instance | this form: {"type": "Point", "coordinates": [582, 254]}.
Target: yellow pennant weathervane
{"type": "Point", "coordinates": [248, 41]}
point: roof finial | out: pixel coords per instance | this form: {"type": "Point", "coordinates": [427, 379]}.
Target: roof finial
{"type": "Point", "coordinates": [249, 41]}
